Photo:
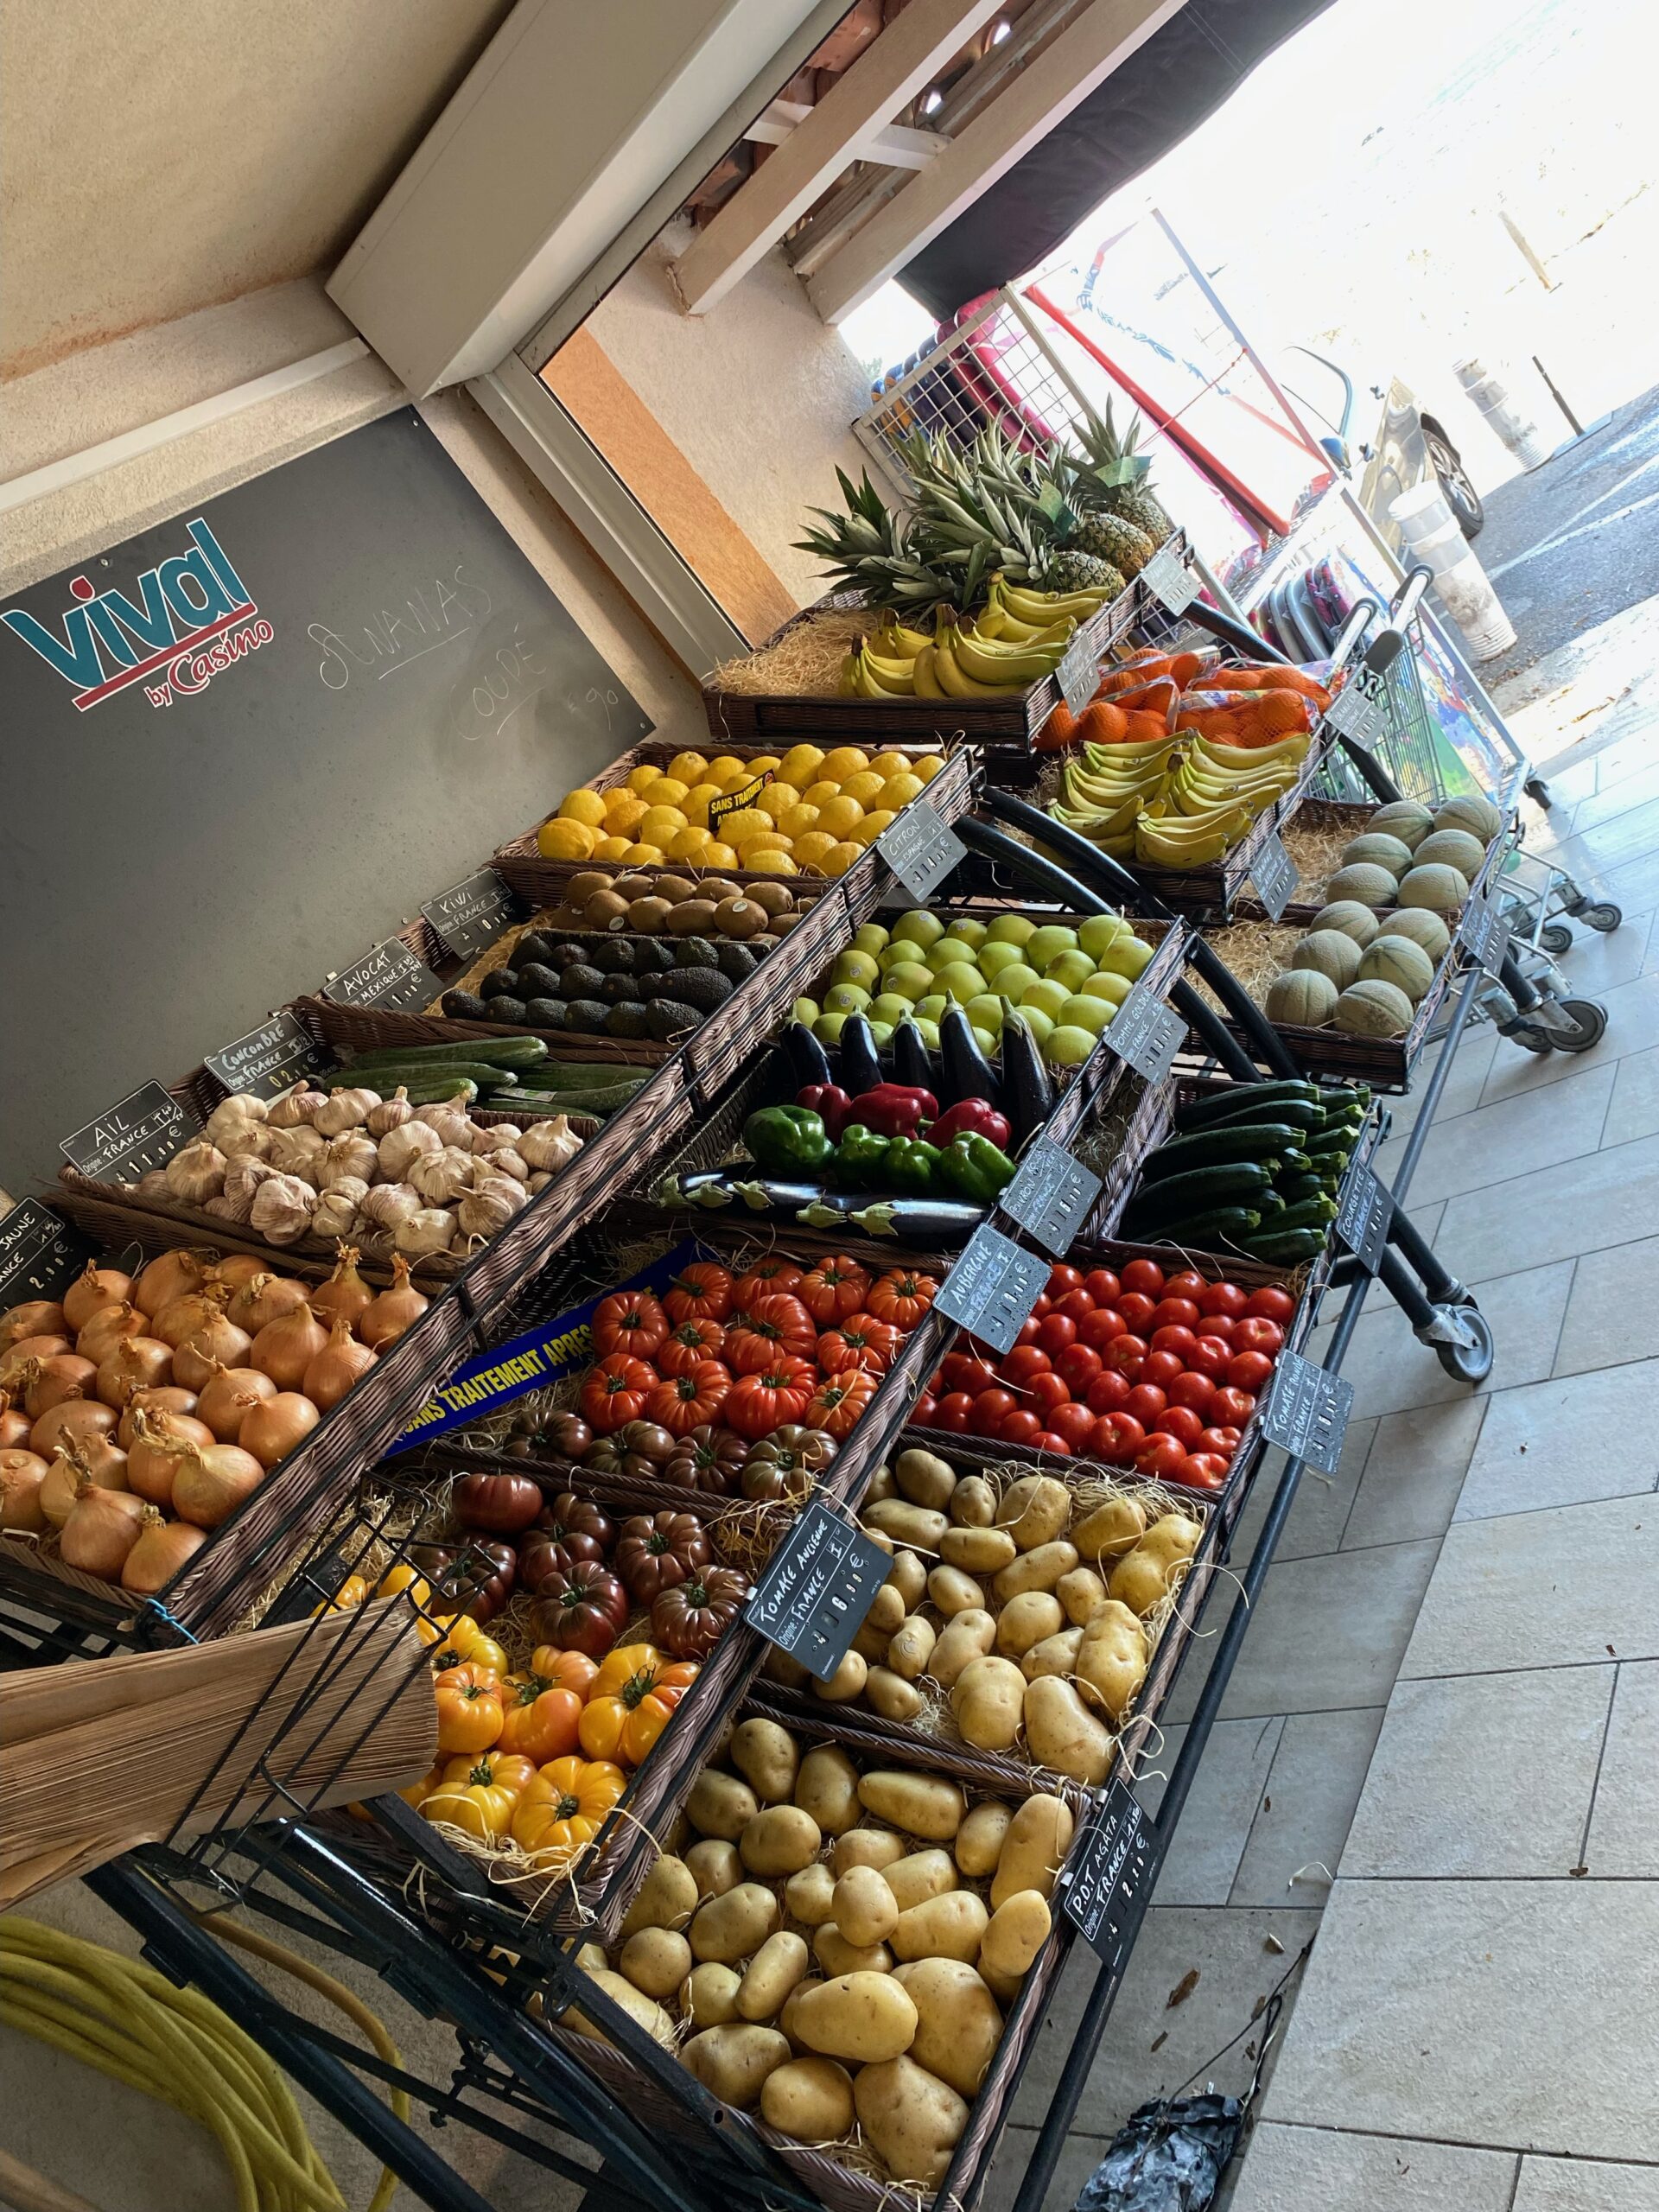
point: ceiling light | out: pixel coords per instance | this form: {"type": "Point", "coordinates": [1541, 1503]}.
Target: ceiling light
{"type": "Point", "coordinates": [1000, 30]}
{"type": "Point", "coordinates": [932, 101]}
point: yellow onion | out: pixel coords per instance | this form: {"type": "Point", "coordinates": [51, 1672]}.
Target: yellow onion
{"type": "Point", "coordinates": [212, 1482]}
{"type": "Point", "coordinates": [181, 1317]}
{"type": "Point", "coordinates": [264, 1299]}
{"type": "Point", "coordinates": [93, 1288]}
{"type": "Point", "coordinates": [48, 1383]}
{"type": "Point", "coordinates": [83, 1422]}
{"type": "Point", "coordinates": [229, 1396]}
{"type": "Point", "coordinates": [160, 1444]}
{"type": "Point", "coordinates": [111, 1325]}
{"type": "Point", "coordinates": [385, 1316]}
{"type": "Point", "coordinates": [22, 1474]}
{"type": "Point", "coordinates": [36, 1317]}
{"type": "Point", "coordinates": [345, 1293]}
{"type": "Point", "coordinates": [239, 1267]}
{"type": "Point", "coordinates": [169, 1277]}
{"type": "Point", "coordinates": [26, 1351]}
{"type": "Point", "coordinates": [278, 1426]}
{"type": "Point", "coordinates": [138, 1364]}
{"type": "Point", "coordinates": [15, 1424]}
{"type": "Point", "coordinates": [163, 1548]}
{"type": "Point", "coordinates": [217, 1343]}
{"type": "Point", "coordinates": [285, 1348]}
{"type": "Point", "coordinates": [101, 1529]}
{"type": "Point", "coordinates": [64, 1478]}
{"type": "Point", "coordinates": [165, 1398]}
{"type": "Point", "coordinates": [337, 1366]}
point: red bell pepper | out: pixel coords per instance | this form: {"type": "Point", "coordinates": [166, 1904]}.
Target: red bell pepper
{"type": "Point", "coordinates": [971, 1117]}
{"type": "Point", "coordinates": [893, 1110]}
{"type": "Point", "coordinates": [830, 1104]}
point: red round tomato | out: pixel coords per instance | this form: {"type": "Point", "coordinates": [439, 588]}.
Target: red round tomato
{"type": "Point", "coordinates": [1175, 1313]}
{"type": "Point", "coordinates": [861, 1341]}
{"type": "Point", "coordinates": [1175, 1337]}
{"type": "Point", "coordinates": [1043, 1392]}
{"type": "Point", "coordinates": [1076, 1425]}
{"type": "Point", "coordinates": [924, 1408]}
{"type": "Point", "coordinates": [1049, 1440]}
{"type": "Point", "coordinates": [1210, 1356]}
{"type": "Point", "coordinates": [1099, 1327]}
{"type": "Point", "coordinates": [1118, 1436]}
{"type": "Point", "coordinates": [1178, 1421]}
{"type": "Point", "coordinates": [1146, 1403]}
{"type": "Point", "coordinates": [1221, 1441]}
{"type": "Point", "coordinates": [1077, 1367]}
{"type": "Point", "coordinates": [1231, 1409]}
{"type": "Point", "coordinates": [1041, 1305]}
{"type": "Point", "coordinates": [1019, 1428]}
{"type": "Point", "coordinates": [1222, 1298]}
{"type": "Point", "coordinates": [1255, 1334]}
{"type": "Point", "coordinates": [1202, 1470]}
{"type": "Point", "coordinates": [1161, 1368]}
{"type": "Point", "coordinates": [1193, 1389]}
{"type": "Point", "coordinates": [1057, 1330]}
{"type": "Point", "coordinates": [1021, 1363]}
{"type": "Point", "coordinates": [1160, 1456]}
{"type": "Point", "coordinates": [1188, 1284]}
{"type": "Point", "coordinates": [954, 1411]}
{"type": "Point", "coordinates": [1077, 1306]}
{"type": "Point", "coordinates": [1062, 1278]}
{"type": "Point", "coordinates": [1145, 1276]}
{"type": "Point", "coordinates": [1102, 1285]}
{"type": "Point", "coordinates": [991, 1408]}
{"type": "Point", "coordinates": [962, 1372]}
{"type": "Point", "coordinates": [1137, 1310]}
{"type": "Point", "coordinates": [1247, 1371]}
{"type": "Point", "coordinates": [1217, 1324]}
{"type": "Point", "coordinates": [1270, 1306]}
{"type": "Point", "coordinates": [1109, 1391]}
{"type": "Point", "coordinates": [1126, 1354]}
{"type": "Point", "coordinates": [1028, 1330]}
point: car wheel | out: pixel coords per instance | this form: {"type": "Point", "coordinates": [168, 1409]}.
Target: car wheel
{"type": "Point", "coordinates": [1460, 494]}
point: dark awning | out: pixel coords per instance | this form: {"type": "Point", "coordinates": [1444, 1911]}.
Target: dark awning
{"type": "Point", "coordinates": [1163, 92]}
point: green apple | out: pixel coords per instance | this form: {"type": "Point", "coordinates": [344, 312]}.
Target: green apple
{"type": "Point", "coordinates": [950, 953]}
{"type": "Point", "coordinates": [1073, 968]}
{"type": "Point", "coordinates": [985, 1041]}
{"type": "Point", "coordinates": [1010, 929]}
{"type": "Point", "coordinates": [994, 958]}
{"type": "Point", "coordinates": [1069, 1047]}
{"type": "Point", "coordinates": [985, 1012]}
{"type": "Point", "coordinates": [967, 931]}
{"type": "Point", "coordinates": [1080, 1012]}
{"type": "Point", "coordinates": [1046, 997]}
{"type": "Point", "coordinates": [846, 998]}
{"type": "Point", "coordinates": [1101, 930]}
{"type": "Point", "coordinates": [917, 927]}
{"type": "Point", "coordinates": [806, 1010]}
{"type": "Point", "coordinates": [856, 967]}
{"type": "Point", "coordinates": [828, 1028]}
{"type": "Point", "coordinates": [912, 982]}
{"type": "Point", "coordinates": [889, 1007]}
{"type": "Point", "coordinates": [1114, 988]}
{"type": "Point", "coordinates": [932, 1007]}
{"type": "Point", "coordinates": [929, 1032]}
{"type": "Point", "coordinates": [882, 1031]}
{"type": "Point", "coordinates": [1048, 942]}
{"type": "Point", "coordinates": [1015, 981]}
{"type": "Point", "coordinates": [870, 938]}
{"type": "Point", "coordinates": [962, 983]}
{"type": "Point", "coordinates": [1128, 957]}
{"type": "Point", "coordinates": [1040, 1025]}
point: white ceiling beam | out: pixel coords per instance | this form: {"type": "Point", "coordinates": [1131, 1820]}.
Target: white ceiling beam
{"type": "Point", "coordinates": [863, 99]}
{"type": "Point", "coordinates": [1061, 76]}
{"type": "Point", "coordinates": [896, 146]}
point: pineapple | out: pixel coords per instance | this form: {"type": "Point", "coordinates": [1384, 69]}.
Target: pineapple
{"type": "Point", "coordinates": [873, 552]}
{"type": "Point", "coordinates": [1076, 571]}
{"type": "Point", "coordinates": [1113, 538]}
{"type": "Point", "coordinates": [1114, 478]}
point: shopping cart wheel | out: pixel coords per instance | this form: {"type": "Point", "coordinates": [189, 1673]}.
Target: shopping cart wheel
{"type": "Point", "coordinates": [1603, 916]}
{"type": "Point", "coordinates": [1589, 1018]}
{"type": "Point", "coordinates": [1555, 938]}
{"type": "Point", "coordinates": [1462, 1338]}
{"type": "Point", "coordinates": [1527, 1034]}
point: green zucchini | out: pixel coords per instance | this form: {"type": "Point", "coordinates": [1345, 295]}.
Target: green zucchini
{"type": "Point", "coordinates": [1307, 1213]}
{"type": "Point", "coordinates": [1280, 1248]}
{"type": "Point", "coordinates": [1264, 1140]}
{"type": "Point", "coordinates": [1293, 1189]}
{"type": "Point", "coordinates": [1321, 1150]}
{"type": "Point", "coordinates": [1225, 1105]}
{"type": "Point", "coordinates": [497, 1051]}
{"type": "Point", "coordinates": [1197, 1191]}
{"type": "Point", "coordinates": [1214, 1230]}
{"type": "Point", "coordinates": [407, 1074]}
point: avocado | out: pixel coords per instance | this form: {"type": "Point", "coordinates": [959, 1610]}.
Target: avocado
{"type": "Point", "coordinates": [667, 1019]}
{"type": "Point", "coordinates": [537, 981]}
{"type": "Point", "coordinates": [580, 982]}
{"type": "Point", "coordinates": [505, 1007]}
{"type": "Point", "coordinates": [499, 982]}
{"type": "Point", "coordinates": [696, 952]}
{"type": "Point", "coordinates": [565, 955]}
{"type": "Point", "coordinates": [586, 1015]}
{"type": "Point", "coordinates": [736, 960]}
{"type": "Point", "coordinates": [545, 1013]}
{"type": "Point", "coordinates": [703, 988]}
{"type": "Point", "coordinates": [613, 956]}
{"type": "Point", "coordinates": [465, 1006]}
{"type": "Point", "coordinates": [619, 990]}
{"type": "Point", "coordinates": [630, 1021]}
{"type": "Point", "coordinates": [656, 956]}
{"type": "Point", "coordinates": [532, 946]}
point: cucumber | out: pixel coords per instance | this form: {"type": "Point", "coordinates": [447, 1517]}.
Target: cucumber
{"type": "Point", "coordinates": [1197, 1191]}
{"type": "Point", "coordinates": [1280, 1248]}
{"type": "Point", "coordinates": [590, 1074]}
{"type": "Point", "coordinates": [600, 1103]}
{"type": "Point", "coordinates": [425, 1091]}
{"type": "Point", "coordinates": [497, 1051]}
{"type": "Point", "coordinates": [1214, 1230]}
{"type": "Point", "coordinates": [408, 1074]}
{"type": "Point", "coordinates": [1224, 1105]}
{"type": "Point", "coordinates": [1309, 1213]}
{"type": "Point", "coordinates": [1232, 1140]}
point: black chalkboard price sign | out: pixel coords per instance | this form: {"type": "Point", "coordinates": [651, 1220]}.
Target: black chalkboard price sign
{"type": "Point", "coordinates": [271, 1059]}
{"type": "Point", "coordinates": [1306, 1412]}
{"type": "Point", "coordinates": [817, 1586]}
{"type": "Point", "coordinates": [1146, 1035]}
{"type": "Point", "coordinates": [920, 848]}
{"type": "Point", "coordinates": [390, 977]}
{"type": "Point", "coordinates": [127, 1140]}
{"type": "Point", "coordinates": [1051, 1195]}
{"type": "Point", "coordinates": [40, 1256]}
{"type": "Point", "coordinates": [471, 914]}
{"type": "Point", "coordinates": [1103, 1885]}
{"type": "Point", "coordinates": [992, 1286]}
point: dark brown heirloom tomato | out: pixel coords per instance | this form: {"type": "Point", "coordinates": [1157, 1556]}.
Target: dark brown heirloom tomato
{"type": "Point", "coordinates": [567, 1433]}
{"type": "Point", "coordinates": [785, 1464]}
{"type": "Point", "coordinates": [583, 1611]}
{"type": "Point", "coordinates": [577, 1523]}
{"type": "Point", "coordinates": [709, 1459]}
{"type": "Point", "coordinates": [475, 1576]}
{"type": "Point", "coordinates": [656, 1551]}
{"type": "Point", "coordinates": [501, 1505]}
{"type": "Point", "coordinates": [689, 1619]}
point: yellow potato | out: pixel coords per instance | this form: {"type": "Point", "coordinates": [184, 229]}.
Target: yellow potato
{"type": "Point", "coordinates": [1055, 1655]}
{"type": "Point", "coordinates": [826, 1787]}
{"type": "Point", "coordinates": [970, 1637]}
{"type": "Point", "coordinates": [1061, 1732]}
{"type": "Point", "coordinates": [923, 1805]}
{"type": "Point", "coordinates": [711, 1995]}
{"type": "Point", "coordinates": [870, 1846]}
{"type": "Point", "coordinates": [1039, 1568]}
{"type": "Point", "coordinates": [973, 1502]}
{"type": "Point", "coordinates": [810, 2099]}
{"type": "Point", "coordinates": [887, 1609]}
{"type": "Point", "coordinates": [592, 1956]}
{"type": "Point", "coordinates": [861, 2017]}
{"type": "Point", "coordinates": [719, 1805]}
{"type": "Point", "coordinates": [645, 2010]}
{"type": "Point", "coordinates": [954, 1593]}
{"type": "Point", "coordinates": [865, 1908]}
{"type": "Point", "coordinates": [1158, 1564]}
{"type": "Point", "coordinates": [918, 1875]}
{"type": "Point", "coordinates": [765, 1756]}
{"type": "Point", "coordinates": [891, 1695]}
{"type": "Point", "coordinates": [847, 1682]}
{"type": "Point", "coordinates": [807, 1895]}
{"type": "Point", "coordinates": [1081, 1593]}
{"type": "Point", "coordinates": [908, 1577]}
{"type": "Point", "coordinates": [667, 1898]}
{"type": "Point", "coordinates": [880, 1485]}
{"type": "Point", "coordinates": [957, 2024]}
{"type": "Point", "coordinates": [918, 1526]}
{"type": "Point", "coordinates": [715, 1867]}
{"type": "Point", "coordinates": [1111, 1529]}
{"type": "Point", "coordinates": [910, 1650]}
{"type": "Point", "coordinates": [733, 2062]}
{"type": "Point", "coordinates": [950, 1927]}
{"type": "Point", "coordinates": [979, 1838]}
{"type": "Point", "coordinates": [977, 1551]}
{"type": "Point", "coordinates": [1004, 1988]}
{"type": "Point", "coordinates": [781, 1666]}
{"type": "Point", "coordinates": [924, 1478]}
{"type": "Point", "coordinates": [1034, 1510]}
{"type": "Point", "coordinates": [912, 2120]}
{"type": "Point", "coordinates": [780, 1963]}
{"type": "Point", "coordinates": [786, 2018]}
{"type": "Point", "coordinates": [735, 1927]}
{"type": "Point", "coordinates": [1016, 1932]}
{"type": "Point", "coordinates": [871, 1644]}
{"type": "Point", "coordinates": [780, 1841]}
{"type": "Point", "coordinates": [1112, 1658]}
{"type": "Point", "coordinates": [1026, 1620]}
{"type": "Point", "coordinates": [657, 1961]}
{"type": "Point", "coordinates": [837, 1956]}
{"type": "Point", "coordinates": [1038, 1837]}
{"type": "Point", "coordinates": [988, 1700]}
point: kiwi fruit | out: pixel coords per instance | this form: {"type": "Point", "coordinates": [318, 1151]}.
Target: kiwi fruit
{"type": "Point", "coordinates": [741, 917]}
{"type": "Point", "coordinates": [500, 982]}
{"type": "Point", "coordinates": [773, 897]}
{"type": "Point", "coordinates": [605, 910]}
{"type": "Point", "coordinates": [582, 887]}
{"type": "Point", "coordinates": [537, 981]}
{"type": "Point", "coordinates": [564, 917]}
{"type": "Point", "coordinates": [635, 886]}
{"type": "Point", "coordinates": [691, 918]}
{"type": "Point", "coordinates": [580, 982]}
{"type": "Point", "coordinates": [648, 916]}
{"type": "Point", "coordinates": [545, 1013]}
{"type": "Point", "coordinates": [717, 888]}
{"type": "Point", "coordinates": [465, 1006]}
{"type": "Point", "coordinates": [782, 924]}
{"type": "Point", "coordinates": [675, 889]}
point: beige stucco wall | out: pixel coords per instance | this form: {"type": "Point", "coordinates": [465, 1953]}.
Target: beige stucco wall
{"type": "Point", "coordinates": [758, 396]}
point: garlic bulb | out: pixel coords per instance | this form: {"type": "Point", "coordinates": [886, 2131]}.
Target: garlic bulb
{"type": "Point", "coordinates": [549, 1144]}
{"type": "Point", "coordinates": [224, 1208]}
{"type": "Point", "coordinates": [153, 1186]}
{"type": "Point", "coordinates": [295, 1107]}
{"type": "Point", "coordinates": [242, 1179]}
{"type": "Point", "coordinates": [247, 1141]}
{"type": "Point", "coordinates": [450, 1119]}
{"type": "Point", "coordinates": [429, 1228]}
{"type": "Point", "coordinates": [298, 1152]}
{"type": "Point", "coordinates": [339, 1206]}
{"type": "Point", "coordinates": [351, 1154]}
{"type": "Point", "coordinates": [401, 1148]}
{"type": "Point", "coordinates": [389, 1204]}
{"type": "Point", "coordinates": [487, 1208]}
{"type": "Point", "coordinates": [505, 1162]}
{"type": "Point", "coordinates": [538, 1182]}
{"type": "Point", "coordinates": [500, 1139]}
{"type": "Point", "coordinates": [345, 1109]}
{"type": "Point", "coordinates": [196, 1173]}
{"type": "Point", "coordinates": [440, 1177]}
{"type": "Point", "coordinates": [390, 1113]}
{"type": "Point", "coordinates": [282, 1207]}
{"type": "Point", "coordinates": [240, 1111]}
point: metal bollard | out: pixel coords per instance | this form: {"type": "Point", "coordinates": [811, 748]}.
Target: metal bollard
{"type": "Point", "coordinates": [1430, 533]}
{"type": "Point", "coordinates": [1518, 432]}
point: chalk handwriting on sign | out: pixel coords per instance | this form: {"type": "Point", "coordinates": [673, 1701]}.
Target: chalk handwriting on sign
{"type": "Point", "coordinates": [382, 641]}
{"type": "Point", "coordinates": [506, 674]}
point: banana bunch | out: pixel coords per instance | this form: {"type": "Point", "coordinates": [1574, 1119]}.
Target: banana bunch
{"type": "Point", "coordinates": [1022, 606]}
{"type": "Point", "coordinates": [1180, 802]}
{"type": "Point", "coordinates": [1182, 841]}
{"type": "Point", "coordinates": [1213, 778]}
{"type": "Point", "coordinates": [1102, 794]}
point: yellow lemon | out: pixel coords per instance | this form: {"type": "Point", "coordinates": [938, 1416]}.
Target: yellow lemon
{"type": "Point", "coordinates": [777, 799]}
{"type": "Point", "coordinates": [764, 764]}
{"type": "Point", "coordinates": [735, 829]}
{"type": "Point", "coordinates": [798, 819]}
{"type": "Point", "coordinates": [899, 790]}
{"type": "Point", "coordinates": [583, 806]}
{"type": "Point", "coordinates": [719, 855]}
{"type": "Point", "coordinates": [928, 766]}
{"type": "Point", "coordinates": [840, 858]}
{"type": "Point", "coordinates": [889, 764]}
{"type": "Point", "coordinates": [865, 787]}
{"type": "Point", "coordinates": [739, 780]}
{"type": "Point", "coordinates": [624, 809]}
{"type": "Point", "coordinates": [695, 805]}
{"type": "Point", "coordinates": [641, 779]}
{"type": "Point", "coordinates": [766, 859]}
{"type": "Point", "coordinates": [800, 765]}
{"type": "Point", "coordinates": [561, 839]}
{"type": "Point", "coordinates": [643, 855]}
{"type": "Point", "coordinates": [841, 817]}
{"type": "Point", "coordinates": [658, 823]}
{"type": "Point", "coordinates": [810, 849]}
{"type": "Point", "coordinates": [690, 767]}
{"type": "Point", "coordinates": [872, 826]}
{"type": "Point", "coordinates": [687, 844]}
{"type": "Point", "coordinates": [610, 848]}
{"type": "Point", "coordinates": [846, 760]}
{"type": "Point", "coordinates": [767, 840]}
{"type": "Point", "coordinates": [820, 794]}
{"type": "Point", "coordinates": [667, 791]}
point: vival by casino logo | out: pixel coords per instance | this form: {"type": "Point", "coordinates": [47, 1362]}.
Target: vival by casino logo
{"type": "Point", "coordinates": [193, 617]}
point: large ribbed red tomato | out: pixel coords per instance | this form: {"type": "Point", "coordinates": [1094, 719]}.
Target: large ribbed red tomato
{"type": "Point", "coordinates": [689, 1343]}
{"type": "Point", "coordinates": [613, 1391]}
{"type": "Point", "coordinates": [702, 1292]}
{"type": "Point", "coordinates": [861, 1341]}
{"type": "Point", "coordinates": [776, 1323]}
{"type": "Point", "coordinates": [774, 1397]}
{"type": "Point", "coordinates": [687, 1402]}
{"type": "Point", "coordinates": [629, 1321]}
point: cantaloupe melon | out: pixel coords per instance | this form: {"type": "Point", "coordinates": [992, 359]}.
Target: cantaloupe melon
{"type": "Point", "coordinates": [1404, 819]}
{"type": "Point", "coordinates": [1423, 929]}
{"type": "Point", "coordinates": [1469, 810]}
{"type": "Point", "coordinates": [1301, 996]}
{"type": "Point", "coordinates": [1372, 886]}
{"type": "Point", "coordinates": [1443, 890]}
{"type": "Point", "coordinates": [1456, 848]}
{"type": "Point", "coordinates": [1381, 850]}
{"type": "Point", "coordinates": [1328, 952]}
{"type": "Point", "coordinates": [1350, 917]}
{"type": "Point", "coordinates": [1396, 960]}
{"type": "Point", "coordinates": [1374, 1009]}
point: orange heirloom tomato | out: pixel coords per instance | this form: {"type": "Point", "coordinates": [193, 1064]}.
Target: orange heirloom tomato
{"type": "Point", "coordinates": [474, 1804]}
{"type": "Point", "coordinates": [621, 1664]}
{"type": "Point", "coordinates": [566, 1806]}
{"type": "Point", "coordinates": [839, 1400]}
{"type": "Point", "coordinates": [351, 1593]}
{"type": "Point", "coordinates": [398, 1580]}
{"type": "Point", "coordinates": [470, 1714]}
{"type": "Point", "coordinates": [622, 1722]}
{"type": "Point", "coordinates": [466, 1644]}
{"type": "Point", "coordinates": [541, 1720]}
{"type": "Point", "coordinates": [502, 1771]}
{"type": "Point", "coordinates": [902, 1296]}
{"type": "Point", "coordinates": [414, 1792]}
{"type": "Point", "coordinates": [563, 1670]}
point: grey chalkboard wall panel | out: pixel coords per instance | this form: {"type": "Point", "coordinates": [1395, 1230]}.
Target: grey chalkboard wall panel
{"type": "Point", "coordinates": [184, 848]}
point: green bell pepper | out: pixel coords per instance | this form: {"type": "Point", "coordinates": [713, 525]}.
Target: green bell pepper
{"type": "Point", "coordinates": [976, 1168]}
{"type": "Point", "coordinates": [913, 1165]}
{"type": "Point", "coordinates": [860, 1159]}
{"type": "Point", "coordinates": [787, 1140]}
